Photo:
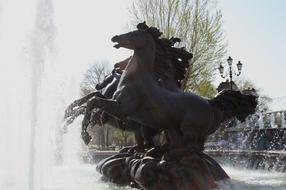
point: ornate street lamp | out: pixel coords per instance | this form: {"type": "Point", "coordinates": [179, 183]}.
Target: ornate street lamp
{"type": "Point", "coordinates": [229, 61]}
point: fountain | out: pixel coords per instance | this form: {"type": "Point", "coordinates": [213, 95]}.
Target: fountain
{"type": "Point", "coordinates": [272, 120]}
{"type": "Point", "coordinates": [283, 123]}
{"type": "Point", "coordinates": [264, 146]}
{"type": "Point", "coordinates": [33, 99]}
{"type": "Point", "coordinates": [35, 153]}
{"type": "Point", "coordinates": [260, 121]}
{"type": "Point", "coordinates": [180, 163]}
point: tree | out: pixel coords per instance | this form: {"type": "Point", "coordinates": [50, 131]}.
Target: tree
{"type": "Point", "coordinates": [206, 89]}
{"type": "Point", "coordinates": [198, 23]}
{"type": "Point", "coordinates": [122, 137]}
{"type": "Point", "coordinates": [94, 75]}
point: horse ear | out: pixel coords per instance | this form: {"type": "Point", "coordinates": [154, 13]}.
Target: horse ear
{"type": "Point", "coordinates": [155, 32]}
{"type": "Point", "coordinates": [175, 40]}
{"type": "Point", "coordinates": [142, 26]}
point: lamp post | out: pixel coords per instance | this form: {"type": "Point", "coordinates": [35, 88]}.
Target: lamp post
{"type": "Point", "coordinates": [229, 61]}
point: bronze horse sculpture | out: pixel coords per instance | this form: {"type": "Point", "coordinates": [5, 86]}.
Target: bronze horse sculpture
{"type": "Point", "coordinates": [186, 117]}
{"type": "Point", "coordinates": [147, 96]}
{"type": "Point", "coordinates": [169, 80]}
{"type": "Point", "coordinates": [143, 136]}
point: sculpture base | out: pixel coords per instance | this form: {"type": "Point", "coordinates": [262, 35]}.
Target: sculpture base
{"type": "Point", "coordinates": [160, 168]}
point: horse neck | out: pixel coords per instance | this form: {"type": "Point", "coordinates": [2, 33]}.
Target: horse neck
{"type": "Point", "coordinates": [111, 87]}
{"type": "Point", "coordinates": [143, 59]}
{"type": "Point", "coordinates": [105, 82]}
{"type": "Point", "coordinates": [170, 82]}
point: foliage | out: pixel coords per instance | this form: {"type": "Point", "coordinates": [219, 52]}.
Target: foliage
{"type": "Point", "coordinates": [198, 23]}
{"type": "Point", "coordinates": [122, 137]}
{"type": "Point", "coordinates": [206, 89]}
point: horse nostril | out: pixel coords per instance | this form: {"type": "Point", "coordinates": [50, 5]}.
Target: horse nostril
{"type": "Point", "coordinates": [113, 39]}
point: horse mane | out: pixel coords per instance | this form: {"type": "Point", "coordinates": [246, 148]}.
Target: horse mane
{"type": "Point", "coordinates": [167, 53]}
{"type": "Point", "coordinates": [234, 103]}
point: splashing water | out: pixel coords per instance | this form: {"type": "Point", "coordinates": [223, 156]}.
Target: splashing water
{"type": "Point", "coordinates": [252, 180]}
{"type": "Point", "coordinates": [260, 121]}
{"type": "Point", "coordinates": [283, 124]}
{"type": "Point", "coordinates": [33, 97]}
{"type": "Point", "coordinates": [272, 120]}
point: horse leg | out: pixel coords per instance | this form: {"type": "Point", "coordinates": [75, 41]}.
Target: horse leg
{"type": "Point", "coordinates": [87, 116]}
{"type": "Point", "coordinates": [175, 138]}
{"type": "Point", "coordinates": [106, 81]}
{"type": "Point", "coordinates": [76, 113]}
{"type": "Point", "coordinates": [191, 137]}
{"type": "Point", "coordinates": [95, 117]}
{"type": "Point", "coordinates": [177, 147]}
{"type": "Point", "coordinates": [85, 122]}
{"type": "Point", "coordinates": [111, 107]}
{"type": "Point", "coordinates": [85, 135]}
{"type": "Point", "coordinates": [148, 134]}
{"type": "Point", "coordinates": [89, 107]}
{"type": "Point", "coordinates": [70, 110]}
{"type": "Point", "coordinates": [127, 126]}
{"type": "Point", "coordinates": [139, 139]}
{"type": "Point", "coordinates": [140, 147]}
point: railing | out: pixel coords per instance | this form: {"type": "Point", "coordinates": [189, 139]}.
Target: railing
{"type": "Point", "coordinates": [251, 159]}
{"type": "Point", "coordinates": [262, 153]}
{"type": "Point", "coordinates": [94, 156]}
{"type": "Point", "coordinates": [274, 119]}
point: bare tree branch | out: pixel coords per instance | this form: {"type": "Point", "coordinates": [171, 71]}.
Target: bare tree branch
{"type": "Point", "coordinates": [94, 75]}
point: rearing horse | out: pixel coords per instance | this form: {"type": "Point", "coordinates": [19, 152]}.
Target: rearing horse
{"type": "Point", "coordinates": [168, 76]}
{"type": "Point", "coordinates": [143, 136]}
{"type": "Point", "coordinates": [187, 117]}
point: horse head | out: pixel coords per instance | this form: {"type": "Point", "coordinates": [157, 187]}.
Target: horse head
{"type": "Point", "coordinates": [136, 39]}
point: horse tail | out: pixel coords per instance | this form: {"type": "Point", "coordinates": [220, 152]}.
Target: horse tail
{"type": "Point", "coordinates": [234, 104]}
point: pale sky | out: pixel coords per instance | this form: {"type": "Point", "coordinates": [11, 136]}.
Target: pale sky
{"type": "Point", "coordinates": [255, 31]}
{"type": "Point", "coordinates": [85, 28]}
